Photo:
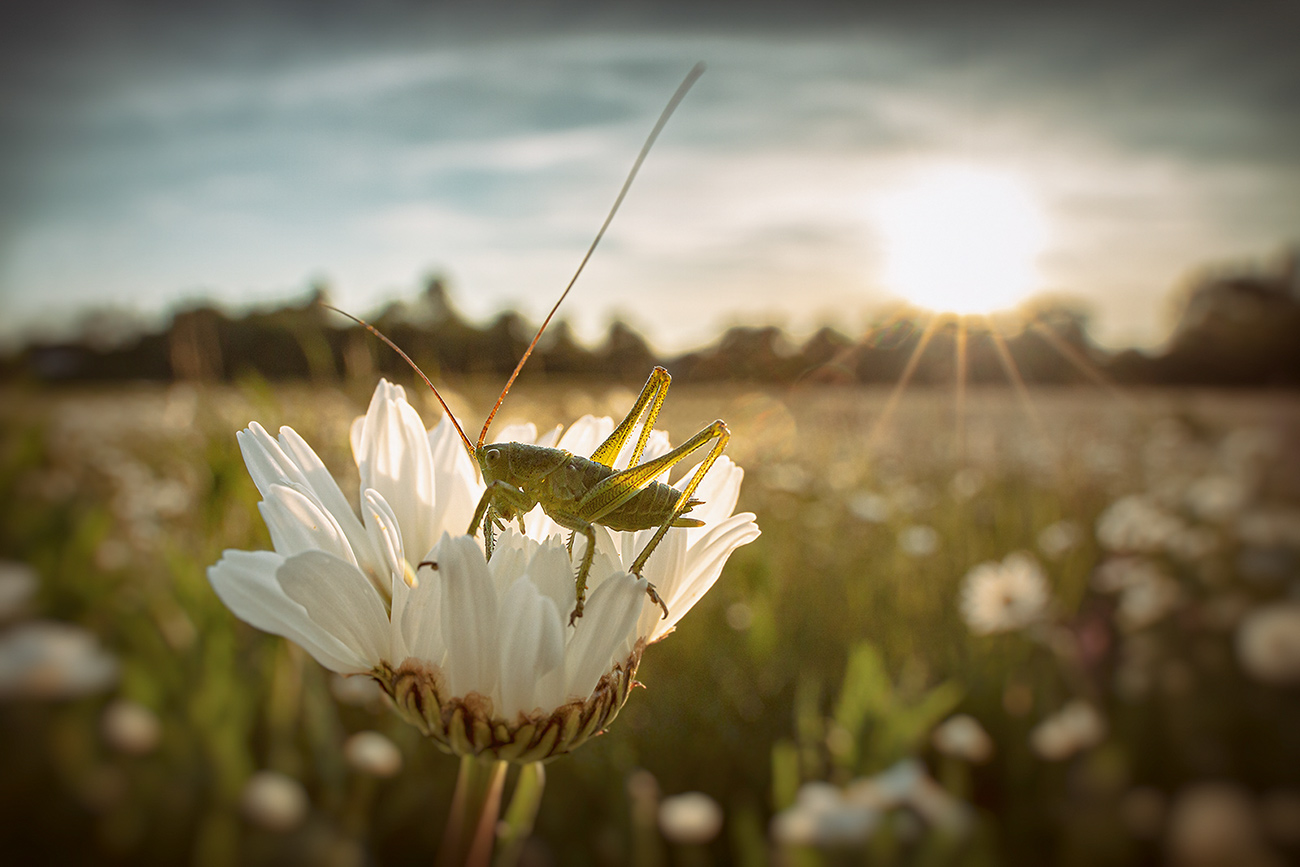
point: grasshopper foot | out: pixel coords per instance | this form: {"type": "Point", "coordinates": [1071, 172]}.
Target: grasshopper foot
{"type": "Point", "coordinates": [577, 612]}
{"type": "Point", "coordinates": [654, 597]}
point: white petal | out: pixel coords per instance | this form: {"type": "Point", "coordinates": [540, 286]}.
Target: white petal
{"type": "Point", "coordinates": [266, 461]}
{"type": "Point", "coordinates": [417, 624]}
{"type": "Point", "coordinates": [719, 489]}
{"type": "Point", "coordinates": [551, 437]}
{"type": "Point", "coordinates": [586, 434]}
{"type": "Point", "coordinates": [354, 436]}
{"type": "Point", "coordinates": [510, 558]}
{"type": "Point", "coordinates": [469, 616]}
{"type": "Point", "coordinates": [532, 645]}
{"type": "Point", "coordinates": [456, 487]}
{"type": "Point", "coordinates": [381, 525]}
{"type": "Point", "coordinates": [327, 493]}
{"type": "Point", "coordinates": [341, 600]}
{"type": "Point", "coordinates": [552, 572]}
{"type": "Point", "coordinates": [517, 433]}
{"type": "Point", "coordinates": [318, 479]}
{"type": "Point", "coordinates": [245, 582]}
{"type": "Point", "coordinates": [394, 459]}
{"type": "Point", "coordinates": [607, 626]}
{"type": "Point", "coordinates": [657, 444]}
{"type": "Point", "coordinates": [668, 570]}
{"type": "Point", "coordinates": [704, 565]}
{"type": "Point", "coordinates": [297, 523]}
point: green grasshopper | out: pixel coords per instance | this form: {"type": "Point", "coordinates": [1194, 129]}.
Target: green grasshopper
{"type": "Point", "coordinates": [580, 493]}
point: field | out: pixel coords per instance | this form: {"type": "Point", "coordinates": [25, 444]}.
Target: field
{"type": "Point", "coordinates": [1133, 676]}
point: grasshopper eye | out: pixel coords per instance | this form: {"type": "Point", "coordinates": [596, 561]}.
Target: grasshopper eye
{"type": "Point", "coordinates": [493, 455]}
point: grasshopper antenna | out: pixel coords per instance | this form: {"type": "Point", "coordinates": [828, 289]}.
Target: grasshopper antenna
{"type": "Point", "coordinates": [696, 71]}
{"type": "Point", "coordinates": [375, 331]}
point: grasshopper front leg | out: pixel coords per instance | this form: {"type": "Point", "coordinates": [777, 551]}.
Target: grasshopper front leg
{"type": "Point", "coordinates": [572, 522]}
{"type": "Point", "coordinates": [503, 499]}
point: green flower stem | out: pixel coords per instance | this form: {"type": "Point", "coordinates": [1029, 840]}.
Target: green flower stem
{"type": "Point", "coordinates": [471, 825]}
{"type": "Point", "coordinates": [521, 813]}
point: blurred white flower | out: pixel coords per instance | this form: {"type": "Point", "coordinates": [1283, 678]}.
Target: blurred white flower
{"type": "Point", "coordinates": [1147, 598]}
{"type": "Point", "coordinates": [870, 507]}
{"type": "Point", "coordinates": [1214, 824]}
{"type": "Point", "coordinates": [740, 616]}
{"type": "Point", "coordinates": [1060, 538]}
{"type": "Point", "coordinates": [1218, 497]}
{"type": "Point", "coordinates": [1246, 449]}
{"type": "Point", "coordinates": [130, 727]}
{"type": "Point", "coordinates": [18, 583]}
{"type": "Point", "coordinates": [358, 691]}
{"type": "Point", "coordinates": [373, 754]}
{"type": "Point", "coordinates": [47, 659]}
{"type": "Point", "coordinates": [274, 801]}
{"type": "Point", "coordinates": [480, 656]}
{"type": "Point", "coordinates": [1268, 643]}
{"type": "Point", "coordinates": [918, 540]}
{"type": "Point", "coordinates": [1193, 544]}
{"type": "Point", "coordinates": [962, 737]}
{"type": "Point", "coordinates": [823, 816]}
{"type": "Point", "coordinates": [1117, 573]}
{"type": "Point", "coordinates": [1136, 524]}
{"type": "Point", "coordinates": [998, 597]}
{"type": "Point", "coordinates": [965, 484]}
{"type": "Point", "coordinates": [906, 784]}
{"type": "Point", "coordinates": [1073, 728]}
{"type": "Point", "coordinates": [690, 819]}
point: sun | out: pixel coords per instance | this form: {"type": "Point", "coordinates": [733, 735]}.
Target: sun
{"type": "Point", "coordinates": [961, 240]}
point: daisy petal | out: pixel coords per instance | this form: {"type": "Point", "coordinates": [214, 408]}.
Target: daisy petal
{"type": "Point", "coordinates": [245, 582]}
{"type": "Point", "coordinates": [298, 524]}
{"type": "Point", "coordinates": [394, 459]}
{"type": "Point", "coordinates": [532, 645]}
{"type": "Point", "coordinates": [469, 616]}
{"type": "Point", "coordinates": [705, 565]}
{"type": "Point", "coordinates": [340, 600]}
{"type": "Point", "coordinates": [606, 628]}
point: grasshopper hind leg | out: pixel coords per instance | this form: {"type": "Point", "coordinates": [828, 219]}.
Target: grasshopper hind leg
{"type": "Point", "coordinates": [718, 433]}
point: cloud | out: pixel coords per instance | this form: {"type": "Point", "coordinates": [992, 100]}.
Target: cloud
{"type": "Point", "coordinates": [267, 144]}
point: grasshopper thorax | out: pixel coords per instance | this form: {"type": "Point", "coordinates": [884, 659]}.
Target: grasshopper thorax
{"type": "Point", "coordinates": [518, 464]}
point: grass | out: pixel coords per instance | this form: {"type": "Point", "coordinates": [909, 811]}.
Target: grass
{"type": "Point", "coordinates": [825, 652]}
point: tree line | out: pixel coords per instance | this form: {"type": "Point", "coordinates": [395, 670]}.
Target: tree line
{"type": "Point", "coordinates": [1237, 328]}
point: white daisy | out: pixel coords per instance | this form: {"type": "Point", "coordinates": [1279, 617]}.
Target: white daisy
{"type": "Point", "coordinates": [480, 656]}
{"type": "Point", "coordinates": [1072, 729]}
{"type": "Point", "coordinates": [999, 597]}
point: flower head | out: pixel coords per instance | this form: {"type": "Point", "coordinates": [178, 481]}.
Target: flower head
{"type": "Point", "coordinates": [1072, 729]}
{"type": "Point", "coordinates": [1268, 643]}
{"type": "Point", "coordinates": [962, 737]}
{"type": "Point", "coordinates": [479, 655]}
{"type": "Point", "coordinates": [999, 597]}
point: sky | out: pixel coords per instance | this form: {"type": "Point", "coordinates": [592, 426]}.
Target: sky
{"type": "Point", "coordinates": [832, 158]}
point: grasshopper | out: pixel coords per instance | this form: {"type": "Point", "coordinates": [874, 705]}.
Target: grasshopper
{"type": "Point", "coordinates": [580, 493]}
